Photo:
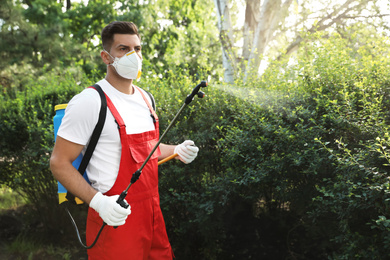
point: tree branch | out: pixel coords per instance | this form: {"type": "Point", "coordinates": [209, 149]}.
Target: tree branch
{"type": "Point", "coordinates": [320, 26]}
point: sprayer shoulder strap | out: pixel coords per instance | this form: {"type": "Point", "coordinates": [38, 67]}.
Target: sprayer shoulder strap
{"type": "Point", "coordinates": [96, 132]}
{"type": "Point", "coordinates": [152, 99]}
{"type": "Point", "coordinates": [94, 137]}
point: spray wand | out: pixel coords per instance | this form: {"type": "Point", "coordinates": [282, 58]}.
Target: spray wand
{"type": "Point", "coordinates": [136, 174]}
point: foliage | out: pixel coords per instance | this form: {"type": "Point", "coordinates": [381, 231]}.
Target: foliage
{"type": "Point", "coordinates": [273, 180]}
{"type": "Point", "coordinates": [26, 130]}
{"type": "Point", "coordinates": [357, 195]}
{"type": "Point", "coordinates": [9, 199]}
{"type": "Point", "coordinates": [271, 28]}
{"type": "Point", "coordinates": [35, 40]}
{"type": "Point", "coordinates": [292, 164]}
{"type": "Point", "coordinates": [41, 35]}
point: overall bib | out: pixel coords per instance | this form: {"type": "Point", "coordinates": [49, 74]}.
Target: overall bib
{"type": "Point", "coordinates": [143, 236]}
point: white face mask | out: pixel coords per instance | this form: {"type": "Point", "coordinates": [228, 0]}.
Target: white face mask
{"type": "Point", "coordinates": [129, 66]}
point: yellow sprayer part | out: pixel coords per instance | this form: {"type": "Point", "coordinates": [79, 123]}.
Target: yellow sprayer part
{"type": "Point", "coordinates": [60, 106]}
{"type": "Point", "coordinates": [62, 198]}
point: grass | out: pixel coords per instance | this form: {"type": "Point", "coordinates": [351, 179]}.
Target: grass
{"type": "Point", "coordinates": [22, 236]}
{"type": "Point", "coordinates": [24, 247]}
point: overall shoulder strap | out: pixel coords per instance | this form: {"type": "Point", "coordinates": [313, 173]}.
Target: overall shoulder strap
{"type": "Point", "coordinates": [95, 136]}
{"type": "Point", "coordinates": [151, 108]}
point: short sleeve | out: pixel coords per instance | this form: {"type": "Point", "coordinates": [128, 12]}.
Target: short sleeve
{"type": "Point", "coordinates": [81, 116]}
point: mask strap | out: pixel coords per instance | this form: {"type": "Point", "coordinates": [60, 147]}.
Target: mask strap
{"type": "Point", "coordinates": [110, 56]}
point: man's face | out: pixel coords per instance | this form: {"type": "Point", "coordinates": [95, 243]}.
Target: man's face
{"type": "Point", "coordinates": [124, 43]}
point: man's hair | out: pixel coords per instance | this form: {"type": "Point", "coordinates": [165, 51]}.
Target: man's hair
{"type": "Point", "coordinates": [117, 27]}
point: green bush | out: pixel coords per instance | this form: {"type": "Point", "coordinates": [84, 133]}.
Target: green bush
{"type": "Point", "coordinates": [326, 206]}
{"type": "Point", "coordinates": [26, 130]}
{"type": "Point", "coordinates": [356, 195]}
{"type": "Point", "coordinates": [272, 179]}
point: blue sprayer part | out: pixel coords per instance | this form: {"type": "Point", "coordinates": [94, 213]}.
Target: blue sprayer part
{"type": "Point", "coordinates": [57, 119]}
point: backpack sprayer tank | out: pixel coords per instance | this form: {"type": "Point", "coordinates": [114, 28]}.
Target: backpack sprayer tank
{"type": "Point", "coordinates": [57, 119]}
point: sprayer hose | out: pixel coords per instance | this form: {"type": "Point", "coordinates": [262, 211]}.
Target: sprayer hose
{"type": "Point", "coordinates": [78, 233]}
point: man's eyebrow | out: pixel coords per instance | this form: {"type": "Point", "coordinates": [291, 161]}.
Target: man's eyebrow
{"type": "Point", "coordinates": [127, 46]}
{"type": "Point", "coordinates": [122, 45]}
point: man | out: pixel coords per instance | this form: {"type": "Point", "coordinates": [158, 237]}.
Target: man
{"type": "Point", "coordinates": [119, 153]}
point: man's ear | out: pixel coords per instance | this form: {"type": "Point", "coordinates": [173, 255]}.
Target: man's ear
{"type": "Point", "coordinates": [105, 57]}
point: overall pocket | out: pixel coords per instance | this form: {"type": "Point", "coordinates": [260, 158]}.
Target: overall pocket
{"type": "Point", "coordinates": [141, 151]}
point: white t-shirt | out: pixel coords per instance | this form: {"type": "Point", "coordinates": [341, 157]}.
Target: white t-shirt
{"type": "Point", "coordinates": [81, 116]}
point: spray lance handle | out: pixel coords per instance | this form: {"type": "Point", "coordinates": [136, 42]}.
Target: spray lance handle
{"type": "Point", "coordinates": [121, 200]}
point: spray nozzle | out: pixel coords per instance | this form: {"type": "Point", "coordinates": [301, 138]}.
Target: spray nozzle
{"type": "Point", "coordinates": [201, 94]}
{"type": "Point", "coordinates": [203, 84]}
{"type": "Point", "coordinates": [196, 91]}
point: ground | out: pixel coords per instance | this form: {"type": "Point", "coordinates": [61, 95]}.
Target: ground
{"type": "Point", "coordinates": [21, 241]}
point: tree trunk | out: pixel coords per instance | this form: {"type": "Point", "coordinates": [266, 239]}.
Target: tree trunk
{"type": "Point", "coordinates": [251, 14]}
{"type": "Point", "coordinates": [272, 12]}
{"type": "Point", "coordinates": [226, 37]}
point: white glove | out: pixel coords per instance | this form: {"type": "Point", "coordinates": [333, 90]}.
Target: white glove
{"type": "Point", "coordinates": [111, 212]}
{"type": "Point", "coordinates": [187, 151]}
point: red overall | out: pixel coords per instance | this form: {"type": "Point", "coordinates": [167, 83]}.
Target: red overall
{"type": "Point", "coordinates": [143, 236]}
